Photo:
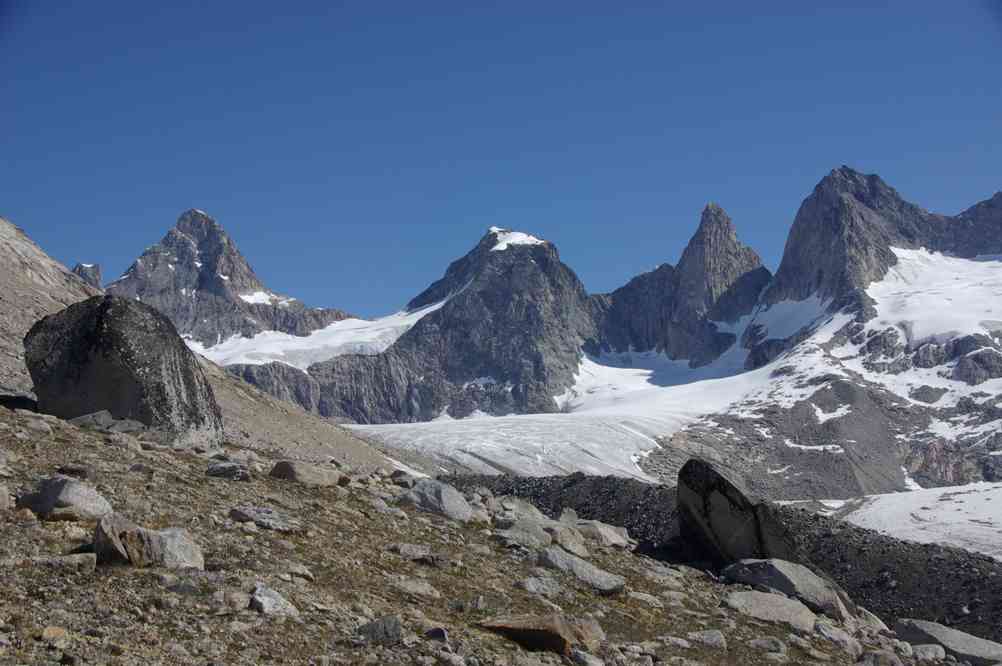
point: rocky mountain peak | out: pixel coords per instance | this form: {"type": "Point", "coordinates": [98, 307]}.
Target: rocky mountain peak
{"type": "Point", "coordinates": [197, 276]}
{"type": "Point", "coordinates": [199, 225]}
{"type": "Point", "coordinates": [496, 252]}
{"type": "Point", "coordinates": [712, 262]}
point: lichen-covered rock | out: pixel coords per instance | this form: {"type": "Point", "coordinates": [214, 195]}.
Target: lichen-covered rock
{"type": "Point", "coordinates": [437, 497]}
{"type": "Point", "coordinates": [119, 541]}
{"type": "Point", "coordinates": [109, 353]}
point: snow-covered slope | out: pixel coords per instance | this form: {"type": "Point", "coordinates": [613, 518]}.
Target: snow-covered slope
{"type": "Point", "coordinates": [348, 336]}
{"type": "Point", "coordinates": [622, 405]}
{"type": "Point", "coordinates": [968, 516]}
{"type": "Point", "coordinates": [618, 406]}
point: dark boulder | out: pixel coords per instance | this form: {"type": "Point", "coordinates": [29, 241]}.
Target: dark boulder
{"type": "Point", "coordinates": [110, 353]}
{"type": "Point", "coordinates": [724, 520]}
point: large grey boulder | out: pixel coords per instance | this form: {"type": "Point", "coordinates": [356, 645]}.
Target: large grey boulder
{"type": "Point", "coordinates": [601, 580]}
{"type": "Point", "coordinates": [110, 353]}
{"type": "Point", "coordinates": [772, 608]}
{"type": "Point", "coordinates": [439, 498]}
{"type": "Point", "coordinates": [723, 520]}
{"type": "Point", "coordinates": [119, 541]}
{"type": "Point", "coordinates": [963, 646]}
{"type": "Point", "coordinates": [65, 498]}
{"type": "Point", "coordinates": [794, 580]}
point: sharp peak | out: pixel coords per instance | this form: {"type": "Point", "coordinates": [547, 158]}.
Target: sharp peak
{"type": "Point", "coordinates": [713, 215]}
{"type": "Point", "coordinates": [848, 176]}
{"type": "Point", "coordinates": [197, 219]}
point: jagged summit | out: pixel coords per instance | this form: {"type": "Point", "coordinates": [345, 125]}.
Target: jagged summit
{"type": "Point", "coordinates": [672, 309]}
{"type": "Point", "coordinates": [197, 276]}
{"type": "Point", "coordinates": [843, 233]}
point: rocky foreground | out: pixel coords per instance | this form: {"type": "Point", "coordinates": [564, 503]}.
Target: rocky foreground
{"type": "Point", "coordinates": [120, 550]}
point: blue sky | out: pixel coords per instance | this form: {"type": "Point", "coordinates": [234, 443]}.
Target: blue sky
{"type": "Point", "coordinates": [354, 149]}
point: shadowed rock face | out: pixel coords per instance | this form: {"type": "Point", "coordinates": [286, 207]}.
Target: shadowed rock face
{"type": "Point", "coordinates": [198, 278]}
{"type": "Point", "coordinates": [507, 340]}
{"type": "Point", "coordinates": [724, 520]}
{"type": "Point", "coordinates": [110, 353]}
{"type": "Point", "coordinates": [671, 310]}
{"type": "Point", "coordinates": [841, 238]}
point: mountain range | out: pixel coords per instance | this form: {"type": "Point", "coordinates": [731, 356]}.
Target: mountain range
{"type": "Point", "coordinates": [869, 362]}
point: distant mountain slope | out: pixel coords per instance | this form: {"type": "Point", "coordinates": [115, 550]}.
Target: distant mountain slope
{"type": "Point", "coordinates": [198, 278]}
{"type": "Point", "coordinates": [32, 285]}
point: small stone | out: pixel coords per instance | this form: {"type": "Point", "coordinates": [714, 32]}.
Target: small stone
{"type": "Point", "coordinates": [232, 471]}
{"type": "Point", "coordinates": [768, 644]}
{"type": "Point", "coordinates": [712, 638]}
{"type": "Point", "coordinates": [439, 498]}
{"type": "Point", "coordinates": [55, 636]}
{"type": "Point", "coordinates": [305, 473]}
{"type": "Point", "coordinates": [418, 588]}
{"type": "Point", "coordinates": [439, 634]}
{"type": "Point", "coordinates": [269, 602]}
{"type": "Point", "coordinates": [928, 652]}
{"type": "Point", "coordinates": [300, 571]}
{"type": "Point", "coordinates": [266, 518]}
{"type": "Point", "coordinates": [387, 630]}
{"type": "Point", "coordinates": [552, 633]}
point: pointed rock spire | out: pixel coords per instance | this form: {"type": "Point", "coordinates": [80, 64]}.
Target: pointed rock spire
{"type": "Point", "coordinates": [711, 263]}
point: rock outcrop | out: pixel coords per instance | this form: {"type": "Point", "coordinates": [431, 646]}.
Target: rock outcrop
{"type": "Point", "coordinates": [89, 273]}
{"type": "Point", "coordinates": [673, 310]}
{"type": "Point", "coordinates": [110, 353]}
{"type": "Point", "coordinates": [198, 278]}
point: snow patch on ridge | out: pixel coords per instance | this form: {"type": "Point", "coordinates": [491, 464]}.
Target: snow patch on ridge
{"type": "Point", "coordinates": [507, 237]}
{"type": "Point", "coordinates": [348, 336]}
{"type": "Point", "coordinates": [931, 297]}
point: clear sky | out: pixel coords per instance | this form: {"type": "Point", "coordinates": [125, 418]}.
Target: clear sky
{"type": "Point", "coordinates": [353, 149]}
